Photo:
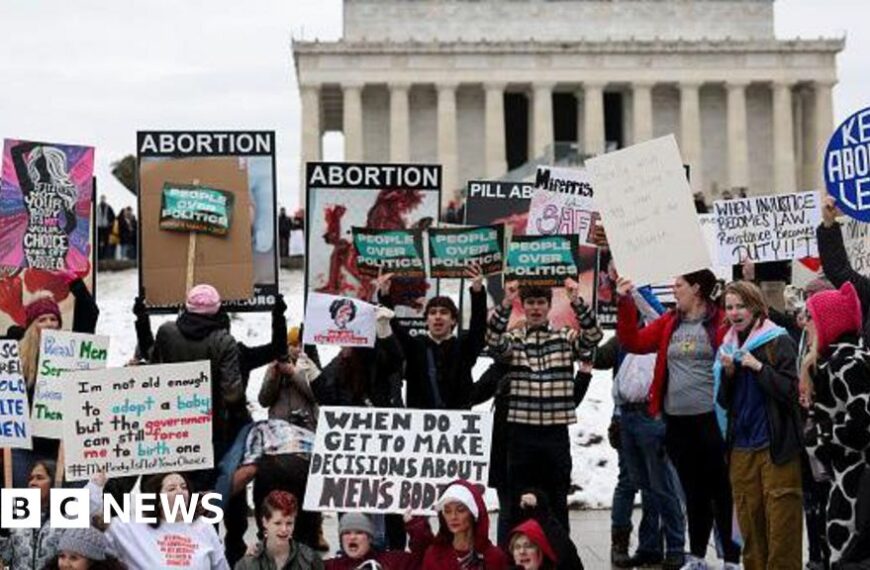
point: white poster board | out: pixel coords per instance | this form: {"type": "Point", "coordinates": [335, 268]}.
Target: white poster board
{"type": "Point", "coordinates": [856, 238]}
{"type": "Point", "coordinates": [15, 426]}
{"type": "Point", "coordinates": [780, 227]}
{"type": "Point", "coordinates": [557, 213]}
{"type": "Point", "coordinates": [647, 209]}
{"type": "Point", "coordinates": [59, 351]}
{"type": "Point", "coordinates": [339, 321]}
{"type": "Point", "coordinates": [137, 420]}
{"type": "Point", "coordinates": [709, 228]}
{"type": "Point", "coordinates": [380, 460]}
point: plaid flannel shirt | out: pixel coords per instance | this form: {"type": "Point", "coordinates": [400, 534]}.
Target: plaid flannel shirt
{"type": "Point", "coordinates": [541, 365]}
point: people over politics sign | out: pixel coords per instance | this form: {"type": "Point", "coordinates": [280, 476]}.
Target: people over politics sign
{"type": "Point", "coordinates": [191, 208]}
{"type": "Point", "coordinates": [545, 261]}
{"type": "Point", "coordinates": [399, 252]}
{"type": "Point", "coordinates": [453, 250]}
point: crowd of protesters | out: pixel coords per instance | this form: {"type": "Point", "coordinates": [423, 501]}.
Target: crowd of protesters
{"type": "Point", "coordinates": [734, 422]}
{"type": "Point", "coordinates": [117, 234]}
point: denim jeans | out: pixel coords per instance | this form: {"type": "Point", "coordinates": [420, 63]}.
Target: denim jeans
{"type": "Point", "coordinates": [643, 445]}
{"type": "Point", "coordinates": [229, 463]}
{"type": "Point", "coordinates": [649, 536]}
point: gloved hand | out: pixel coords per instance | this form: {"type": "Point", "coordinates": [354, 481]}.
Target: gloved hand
{"type": "Point", "coordinates": [613, 433]}
{"type": "Point", "coordinates": [139, 307]}
{"type": "Point", "coordinates": [382, 326]}
{"type": "Point", "coordinates": [280, 306]}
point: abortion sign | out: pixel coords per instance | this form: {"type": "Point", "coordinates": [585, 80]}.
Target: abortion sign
{"type": "Point", "coordinates": [453, 250]}
{"type": "Point", "coordinates": [847, 166]}
{"type": "Point", "coordinates": [190, 208]}
{"type": "Point", "coordinates": [14, 413]}
{"type": "Point", "coordinates": [378, 460]}
{"type": "Point", "coordinates": [545, 261]}
{"type": "Point", "coordinates": [767, 228]}
{"type": "Point", "coordinates": [392, 251]}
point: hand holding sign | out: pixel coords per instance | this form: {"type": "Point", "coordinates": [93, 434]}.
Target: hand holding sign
{"type": "Point", "coordinates": [573, 289]}
{"type": "Point", "coordinates": [511, 292]}
{"type": "Point", "coordinates": [829, 211]}
{"type": "Point", "coordinates": [476, 275]}
{"type": "Point", "coordinates": [624, 286]}
{"type": "Point", "coordinates": [384, 281]}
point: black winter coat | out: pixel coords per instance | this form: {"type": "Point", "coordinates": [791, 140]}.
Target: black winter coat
{"type": "Point", "coordinates": [838, 269]}
{"type": "Point", "coordinates": [557, 536]}
{"type": "Point", "coordinates": [363, 377]}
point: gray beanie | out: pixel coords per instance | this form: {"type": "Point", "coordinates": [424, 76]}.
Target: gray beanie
{"type": "Point", "coordinates": [87, 542]}
{"type": "Point", "coordinates": [356, 521]}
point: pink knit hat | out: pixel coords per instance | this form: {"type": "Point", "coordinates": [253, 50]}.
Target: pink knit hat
{"type": "Point", "coordinates": [835, 313]}
{"type": "Point", "coordinates": [203, 300]}
{"type": "Point", "coordinates": [42, 306]}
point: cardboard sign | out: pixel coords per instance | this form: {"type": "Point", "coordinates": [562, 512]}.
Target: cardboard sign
{"type": "Point", "coordinates": [545, 261]}
{"type": "Point", "coordinates": [59, 351]}
{"type": "Point", "coordinates": [137, 420]}
{"type": "Point", "coordinates": [373, 196]}
{"type": "Point", "coordinates": [847, 166]}
{"type": "Point", "coordinates": [453, 250]}
{"type": "Point", "coordinates": [767, 228]}
{"type": "Point", "coordinates": [196, 209]}
{"type": "Point", "coordinates": [856, 239]}
{"type": "Point", "coordinates": [392, 251]}
{"type": "Point", "coordinates": [243, 264]}
{"type": "Point", "coordinates": [46, 195]}
{"type": "Point", "coordinates": [647, 209]}
{"type": "Point", "coordinates": [14, 412]}
{"type": "Point", "coordinates": [339, 321]}
{"type": "Point", "coordinates": [377, 460]}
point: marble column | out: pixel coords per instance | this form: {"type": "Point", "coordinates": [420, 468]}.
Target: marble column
{"type": "Point", "coordinates": [783, 140]}
{"type": "Point", "coordinates": [399, 123]}
{"type": "Point", "coordinates": [738, 143]}
{"type": "Point", "coordinates": [496, 162]}
{"type": "Point", "coordinates": [543, 121]}
{"type": "Point", "coordinates": [352, 122]}
{"type": "Point", "coordinates": [690, 130]}
{"type": "Point", "coordinates": [593, 118]}
{"type": "Point", "coordinates": [642, 110]}
{"type": "Point", "coordinates": [447, 153]}
{"type": "Point", "coordinates": [823, 126]}
{"type": "Point", "coordinates": [311, 133]}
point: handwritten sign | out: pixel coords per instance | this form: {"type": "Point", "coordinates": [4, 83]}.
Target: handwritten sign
{"type": "Point", "coordinates": [856, 238]}
{"type": "Point", "coordinates": [339, 321]}
{"type": "Point", "coordinates": [767, 228]}
{"type": "Point", "coordinates": [571, 181]}
{"type": "Point", "coordinates": [392, 251]}
{"type": "Point", "coordinates": [59, 351]}
{"type": "Point", "coordinates": [545, 261]}
{"type": "Point", "coordinates": [453, 250]}
{"type": "Point", "coordinates": [847, 166]}
{"type": "Point", "coordinates": [190, 208]}
{"type": "Point", "coordinates": [379, 460]}
{"type": "Point", "coordinates": [647, 209]}
{"type": "Point", "coordinates": [709, 227]}
{"type": "Point", "coordinates": [137, 420]}
{"type": "Point", "coordinates": [14, 417]}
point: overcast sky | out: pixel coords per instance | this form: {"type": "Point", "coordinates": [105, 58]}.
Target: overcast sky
{"type": "Point", "coordinates": [94, 72]}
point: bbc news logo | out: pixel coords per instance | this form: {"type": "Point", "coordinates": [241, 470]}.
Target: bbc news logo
{"type": "Point", "coordinates": [70, 508]}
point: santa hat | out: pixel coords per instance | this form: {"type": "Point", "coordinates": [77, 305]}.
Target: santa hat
{"type": "Point", "coordinates": [42, 306]}
{"type": "Point", "coordinates": [834, 314]}
{"type": "Point", "coordinates": [535, 533]}
{"type": "Point", "coordinates": [458, 494]}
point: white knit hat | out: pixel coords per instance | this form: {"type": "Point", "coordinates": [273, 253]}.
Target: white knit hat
{"type": "Point", "coordinates": [457, 493]}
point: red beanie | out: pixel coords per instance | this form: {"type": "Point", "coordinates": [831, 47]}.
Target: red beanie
{"type": "Point", "coordinates": [42, 306]}
{"type": "Point", "coordinates": [835, 313]}
{"type": "Point", "coordinates": [533, 530]}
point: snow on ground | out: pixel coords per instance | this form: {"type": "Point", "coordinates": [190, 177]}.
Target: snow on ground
{"type": "Point", "coordinates": [595, 464]}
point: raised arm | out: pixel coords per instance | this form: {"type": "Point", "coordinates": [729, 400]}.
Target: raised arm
{"type": "Point", "coordinates": [86, 311]}
{"type": "Point", "coordinates": [590, 332]}
{"type": "Point", "coordinates": [496, 332]}
{"type": "Point", "coordinates": [631, 338]}
{"type": "Point", "coordinates": [835, 261]}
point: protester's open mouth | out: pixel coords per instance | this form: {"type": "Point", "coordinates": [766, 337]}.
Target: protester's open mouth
{"type": "Point", "coordinates": [352, 548]}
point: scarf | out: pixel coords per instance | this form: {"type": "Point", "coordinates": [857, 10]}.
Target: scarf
{"type": "Point", "coordinates": [758, 337]}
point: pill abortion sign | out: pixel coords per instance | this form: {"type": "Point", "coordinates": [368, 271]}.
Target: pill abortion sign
{"type": "Point", "coordinates": [847, 166]}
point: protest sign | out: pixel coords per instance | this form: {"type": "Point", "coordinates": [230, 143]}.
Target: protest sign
{"type": "Point", "coordinates": [647, 209]}
{"type": "Point", "coordinates": [137, 420]}
{"type": "Point", "coordinates": [378, 460]}
{"type": "Point", "coordinates": [453, 250]}
{"type": "Point", "coordinates": [342, 196]}
{"type": "Point", "coordinates": [847, 166]}
{"type": "Point", "coordinates": [545, 261]}
{"type": "Point", "coordinates": [856, 239]}
{"type": "Point", "coordinates": [243, 264]}
{"type": "Point", "coordinates": [189, 208]}
{"type": "Point", "coordinates": [562, 203]}
{"type": "Point", "coordinates": [710, 229]}
{"type": "Point", "coordinates": [339, 321]}
{"type": "Point", "coordinates": [399, 252]}
{"type": "Point", "coordinates": [59, 351]}
{"type": "Point", "coordinates": [46, 196]}
{"type": "Point", "coordinates": [767, 228]}
{"type": "Point", "coordinates": [14, 412]}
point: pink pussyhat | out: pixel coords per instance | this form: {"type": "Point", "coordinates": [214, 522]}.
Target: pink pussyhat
{"type": "Point", "coordinates": [835, 313]}
{"type": "Point", "coordinates": [203, 300]}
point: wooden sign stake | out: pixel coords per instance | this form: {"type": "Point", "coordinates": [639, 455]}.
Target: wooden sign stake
{"type": "Point", "coordinates": [191, 254]}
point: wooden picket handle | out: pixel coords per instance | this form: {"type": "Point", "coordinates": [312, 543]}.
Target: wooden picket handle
{"type": "Point", "coordinates": [191, 254]}
{"type": "Point", "coordinates": [7, 468]}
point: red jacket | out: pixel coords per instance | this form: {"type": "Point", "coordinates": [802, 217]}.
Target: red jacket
{"type": "Point", "coordinates": [656, 337]}
{"type": "Point", "coordinates": [420, 538]}
{"type": "Point", "coordinates": [441, 556]}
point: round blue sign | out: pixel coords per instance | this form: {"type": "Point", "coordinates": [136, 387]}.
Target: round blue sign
{"type": "Point", "coordinates": [847, 166]}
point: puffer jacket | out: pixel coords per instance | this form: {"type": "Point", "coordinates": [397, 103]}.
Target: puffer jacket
{"type": "Point", "coordinates": [30, 548]}
{"type": "Point", "coordinates": [194, 337]}
{"type": "Point", "coordinates": [301, 558]}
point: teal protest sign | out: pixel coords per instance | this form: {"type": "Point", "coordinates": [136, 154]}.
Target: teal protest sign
{"type": "Point", "coordinates": [399, 252]}
{"type": "Point", "coordinates": [188, 208]}
{"type": "Point", "coordinates": [545, 261]}
{"type": "Point", "coordinates": [453, 250]}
